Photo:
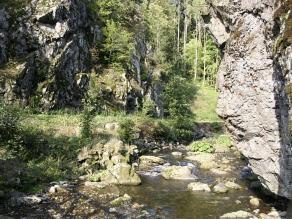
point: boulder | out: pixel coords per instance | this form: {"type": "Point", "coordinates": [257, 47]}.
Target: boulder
{"type": "Point", "coordinates": [120, 200]}
{"type": "Point", "coordinates": [151, 160]}
{"type": "Point", "coordinates": [121, 174]}
{"type": "Point", "coordinates": [206, 160]}
{"type": "Point", "coordinates": [232, 185]}
{"type": "Point", "coordinates": [178, 172]}
{"type": "Point", "coordinates": [177, 154]}
{"type": "Point", "coordinates": [220, 188]}
{"type": "Point", "coordinates": [198, 186]}
{"type": "Point", "coordinates": [238, 214]}
{"type": "Point", "coordinates": [57, 188]}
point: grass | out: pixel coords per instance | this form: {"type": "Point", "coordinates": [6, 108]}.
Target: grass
{"type": "Point", "coordinates": [55, 138]}
{"type": "Point", "coordinates": [204, 107]}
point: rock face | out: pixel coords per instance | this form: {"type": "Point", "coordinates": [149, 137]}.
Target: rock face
{"type": "Point", "coordinates": [47, 43]}
{"type": "Point", "coordinates": [48, 51]}
{"type": "Point", "coordinates": [255, 69]}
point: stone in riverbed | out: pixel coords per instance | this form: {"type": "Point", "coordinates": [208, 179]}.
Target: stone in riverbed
{"type": "Point", "coordinates": [198, 186]}
{"type": "Point", "coordinates": [177, 154]}
{"type": "Point", "coordinates": [121, 200]}
{"type": "Point", "coordinates": [206, 161]}
{"type": "Point", "coordinates": [238, 214]}
{"type": "Point", "coordinates": [232, 185]}
{"type": "Point", "coordinates": [151, 160]}
{"type": "Point", "coordinates": [57, 188]}
{"type": "Point", "coordinates": [178, 172]}
{"type": "Point", "coordinates": [220, 188]}
{"type": "Point", "coordinates": [99, 185]}
{"type": "Point", "coordinates": [255, 202]}
{"type": "Point", "coordinates": [121, 174]}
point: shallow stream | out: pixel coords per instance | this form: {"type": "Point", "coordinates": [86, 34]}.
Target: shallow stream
{"type": "Point", "coordinates": [172, 199]}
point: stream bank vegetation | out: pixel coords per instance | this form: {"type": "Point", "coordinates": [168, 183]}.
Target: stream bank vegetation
{"type": "Point", "coordinates": [43, 146]}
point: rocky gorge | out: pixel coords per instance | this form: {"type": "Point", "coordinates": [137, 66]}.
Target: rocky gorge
{"type": "Point", "coordinates": [50, 59]}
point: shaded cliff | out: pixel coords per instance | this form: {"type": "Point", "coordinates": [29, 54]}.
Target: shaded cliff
{"type": "Point", "coordinates": [252, 78]}
{"type": "Point", "coordinates": [48, 50]}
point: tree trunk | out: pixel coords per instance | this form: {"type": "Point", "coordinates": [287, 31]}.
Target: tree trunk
{"type": "Point", "coordinates": [196, 50]}
{"type": "Point", "coordinates": [178, 26]}
{"type": "Point", "coordinates": [204, 59]}
{"type": "Point", "coordinates": [185, 25]}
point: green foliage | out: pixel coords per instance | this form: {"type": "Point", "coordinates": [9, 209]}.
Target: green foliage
{"type": "Point", "coordinates": [205, 145]}
{"type": "Point", "coordinates": [9, 122]}
{"type": "Point", "coordinates": [127, 131]}
{"type": "Point", "coordinates": [178, 97]}
{"type": "Point", "coordinates": [117, 44]}
{"type": "Point", "coordinates": [86, 125]}
{"type": "Point", "coordinates": [181, 130]}
{"type": "Point", "coordinates": [209, 55]}
{"type": "Point", "coordinates": [148, 108]}
{"type": "Point", "coordinates": [11, 137]}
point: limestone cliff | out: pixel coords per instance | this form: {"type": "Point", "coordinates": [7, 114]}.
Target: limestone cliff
{"type": "Point", "coordinates": [47, 54]}
{"type": "Point", "coordinates": [252, 79]}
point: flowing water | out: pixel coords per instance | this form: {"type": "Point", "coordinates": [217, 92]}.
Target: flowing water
{"type": "Point", "coordinates": [172, 199]}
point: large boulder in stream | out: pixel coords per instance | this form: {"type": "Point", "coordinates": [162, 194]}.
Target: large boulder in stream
{"type": "Point", "coordinates": [198, 186]}
{"type": "Point", "coordinates": [121, 174]}
{"type": "Point", "coordinates": [151, 161]}
{"type": "Point", "coordinates": [105, 156]}
{"type": "Point", "coordinates": [254, 81]}
{"type": "Point", "coordinates": [179, 173]}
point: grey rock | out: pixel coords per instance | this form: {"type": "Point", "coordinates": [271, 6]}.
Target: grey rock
{"type": "Point", "coordinates": [198, 186]}
{"type": "Point", "coordinates": [179, 173]}
{"type": "Point", "coordinates": [252, 75]}
{"type": "Point", "coordinates": [238, 214]}
{"type": "Point", "coordinates": [255, 202]}
{"type": "Point", "coordinates": [220, 188]}
{"type": "Point", "coordinates": [146, 161]}
{"type": "Point", "coordinates": [99, 185]}
{"type": "Point", "coordinates": [121, 174]}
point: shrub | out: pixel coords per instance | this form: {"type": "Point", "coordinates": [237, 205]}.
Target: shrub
{"type": "Point", "coordinates": [174, 130]}
{"type": "Point", "coordinates": [127, 131]}
{"type": "Point", "coordinates": [205, 145]}
{"type": "Point", "coordinates": [86, 125]}
{"type": "Point", "coordinates": [149, 108]}
{"type": "Point", "coordinates": [10, 133]}
{"type": "Point", "coordinates": [9, 122]}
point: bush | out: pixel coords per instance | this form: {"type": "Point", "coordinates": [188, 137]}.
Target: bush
{"type": "Point", "coordinates": [176, 131]}
{"type": "Point", "coordinates": [10, 133]}
{"type": "Point", "coordinates": [9, 122]}
{"type": "Point", "coordinates": [149, 108]}
{"type": "Point", "coordinates": [86, 125]}
{"type": "Point", "coordinates": [205, 145]}
{"type": "Point", "coordinates": [127, 131]}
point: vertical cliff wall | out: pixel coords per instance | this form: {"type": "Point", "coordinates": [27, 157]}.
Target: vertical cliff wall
{"type": "Point", "coordinates": [252, 81]}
